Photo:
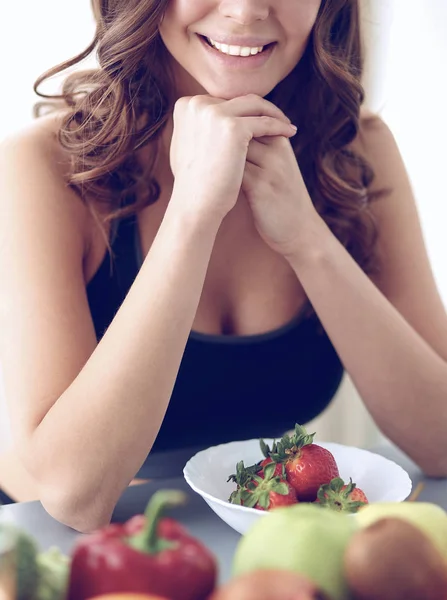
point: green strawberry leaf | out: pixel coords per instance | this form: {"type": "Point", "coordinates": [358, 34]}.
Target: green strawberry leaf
{"type": "Point", "coordinates": [235, 497]}
{"type": "Point", "coordinates": [264, 500]}
{"type": "Point", "coordinates": [249, 499]}
{"type": "Point", "coordinates": [265, 448]}
{"type": "Point", "coordinates": [332, 495]}
{"type": "Point", "coordinates": [269, 471]}
{"type": "Point", "coordinates": [281, 488]}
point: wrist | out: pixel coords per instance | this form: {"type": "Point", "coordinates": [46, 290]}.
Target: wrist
{"type": "Point", "coordinates": [188, 212]}
{"type": "Point", "coordinates": [311, 245]}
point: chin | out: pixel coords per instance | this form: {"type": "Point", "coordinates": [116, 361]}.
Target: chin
{"type": "Point", "coordinates": [229, 92]}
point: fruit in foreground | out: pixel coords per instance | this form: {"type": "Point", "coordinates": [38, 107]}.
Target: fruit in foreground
{"type": "Point", "coordinates": [128, 596]}
{"type": "Point", "coordinates": [54, 571]}
{"type": "Point", "coordinates": [27, 574]}
{"type": "Point", "coordinates": [146, 554]}
{"type": "Point", "coordinates": [269, 585]}
{"type": "Point", "coordinates": [430, 518]}
{"type": "Point", "coordinates": [393, 560]}
{"type": "Point", "coordinates": [304, 539]}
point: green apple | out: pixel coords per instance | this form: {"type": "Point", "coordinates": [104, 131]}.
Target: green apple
{"type": "Point", "coordinates": [303, 538]}
{"type": "Point", "coordinates": [430, 518]}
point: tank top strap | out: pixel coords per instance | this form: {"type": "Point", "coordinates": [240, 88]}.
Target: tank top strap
{"type": "Point", "coordinates": [124, 260]}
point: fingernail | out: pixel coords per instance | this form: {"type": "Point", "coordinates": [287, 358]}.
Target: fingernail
{"type": "Point", "coordinates": [294, 127]}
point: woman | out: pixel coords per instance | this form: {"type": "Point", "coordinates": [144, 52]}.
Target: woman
{"type": "Point", "coordinates": [180, 267]}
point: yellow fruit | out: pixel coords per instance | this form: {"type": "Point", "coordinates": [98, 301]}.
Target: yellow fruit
{"type": "Point", "coordinates": [302, 538]}
{"type": "Point", "coordinates": [429, 518]}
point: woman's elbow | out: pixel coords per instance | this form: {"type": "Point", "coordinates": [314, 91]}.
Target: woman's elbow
{"type": "Point", "coordinates": [71, 500]}
{"type": "Point", "coordinates": [433, 467]}
{"type": "Point", "coordinates": [75, 511]}
{"type": "Point", "coordinates": [435, 471]}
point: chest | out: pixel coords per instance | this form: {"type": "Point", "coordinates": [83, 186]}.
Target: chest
{"type": "Point", "coordinates": [248, 289]}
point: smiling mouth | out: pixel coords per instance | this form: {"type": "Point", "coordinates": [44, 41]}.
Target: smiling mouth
{"type": "Point", "coordinates": [238, 51]}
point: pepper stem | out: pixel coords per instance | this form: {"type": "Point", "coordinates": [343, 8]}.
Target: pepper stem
{"type": "Point", "coordinates": [147, 539]}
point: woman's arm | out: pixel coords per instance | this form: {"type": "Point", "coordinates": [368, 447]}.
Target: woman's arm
{"type": "Point", "coordinates": [85, 415]}
{"type": "Point", "coordinates": [391, 335]}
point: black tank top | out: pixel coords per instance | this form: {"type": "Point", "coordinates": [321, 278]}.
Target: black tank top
{"type": "Point", "coordinates": [228, 387]}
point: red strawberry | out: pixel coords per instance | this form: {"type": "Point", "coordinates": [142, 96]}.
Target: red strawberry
{"type": "Point", "coordinates": [307, 465]}
{"type": "Point", "coordinates": [342, 497]}
{"type": "Point", "coordinates": [279, 469]}
{"type": "Point", "coordinates": [276, 499]}
{"type": "Point", "coordinates": [263, 493]}
{"type": "Point", "coordinates": [358, 495]}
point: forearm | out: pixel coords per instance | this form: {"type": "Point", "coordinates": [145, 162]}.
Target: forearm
{"type": "Point", "coordinates": [401, 379]}
{"type": "Point", "coordinates": [98, 433]}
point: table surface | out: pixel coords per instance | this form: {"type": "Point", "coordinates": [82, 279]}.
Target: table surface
{"type": "Point", "coordinates": [201, 521]}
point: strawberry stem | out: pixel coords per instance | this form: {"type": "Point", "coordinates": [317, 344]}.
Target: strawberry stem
{"type": "Point", "coordinates": [291, 444]}
{"type": "Point", "coordinates": [336, 495]}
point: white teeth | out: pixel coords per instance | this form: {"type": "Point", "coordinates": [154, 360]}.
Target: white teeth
{"type": "Point", "coordinates": [235, 50]}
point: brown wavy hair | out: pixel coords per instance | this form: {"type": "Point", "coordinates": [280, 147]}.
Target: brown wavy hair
{"type": "Point", "coordinates": [125, 103]}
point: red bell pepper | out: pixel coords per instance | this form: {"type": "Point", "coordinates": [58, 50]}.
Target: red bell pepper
{"type": "Point", "coordinates": [145, 555]}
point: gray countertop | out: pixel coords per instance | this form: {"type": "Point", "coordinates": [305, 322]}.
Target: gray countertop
{"type": "Point", "coordinates": [196, 515]}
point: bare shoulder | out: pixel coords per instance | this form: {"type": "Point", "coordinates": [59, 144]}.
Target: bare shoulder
{"type": "Point", "coordinates": [376, 143]}
{"type": "Point", "coordinates": [374, 135]}
{"type": "Point", "coordinates": [34, 170]}
{"type": "Point", "coordinates": [38, 140]}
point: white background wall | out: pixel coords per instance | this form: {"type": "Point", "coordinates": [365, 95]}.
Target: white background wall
{"type": "Point", "coordinates": [414, 106]}
{"type": "Point", "coordinates": [406, 81]}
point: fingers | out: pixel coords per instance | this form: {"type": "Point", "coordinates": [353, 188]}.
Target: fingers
{"type": "Point", "coordinates": [250, 105]}
{"type": "Point", "coordinates": [254, 106]}
{"type": "Point", "coordinates": [253, 115]}
{"type": "Point", "coordinates": [267, 126]}
{"type": "Point", "coordinates": [260, 149]}
{"type": "Point", "coordinates": [250, 179]}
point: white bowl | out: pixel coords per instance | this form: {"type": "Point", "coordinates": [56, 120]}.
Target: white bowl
{"type": "Point", "coordinates": [207, 473]}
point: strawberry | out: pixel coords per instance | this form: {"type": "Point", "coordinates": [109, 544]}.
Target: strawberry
{"type": "Point", "coordinates": [307, 465]}
{"type": "Point", "coordinates": [277, 499]}
{"type": "Point", "coordinates": [342, 497]}
{"type": "Point", "coordinates": [279, 470]}
{"type": "Point", "coordinates": [242, 477]}
{"type": "Point", "coordinates": [263, 493]}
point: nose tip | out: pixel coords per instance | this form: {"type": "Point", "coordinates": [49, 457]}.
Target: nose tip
{"type": "Point", "coordinates": [245, 11]}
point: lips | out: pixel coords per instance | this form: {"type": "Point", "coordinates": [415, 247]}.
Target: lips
{"type": "Point", "coordinates": [252, 50]}
{"type": "Point", "coordinates": [236, 63]}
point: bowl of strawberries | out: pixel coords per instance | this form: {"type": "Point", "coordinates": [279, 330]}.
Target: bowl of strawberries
{"type": "Point", "coordinates": [244, 480]}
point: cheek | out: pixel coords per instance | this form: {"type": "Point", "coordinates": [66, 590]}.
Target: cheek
{"type": "Point", "coordinates": [299, 18]}
{"type": "Point", "coordinates": [181, 14]}
{"type": "Point", "coordinates": [179, 22]}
